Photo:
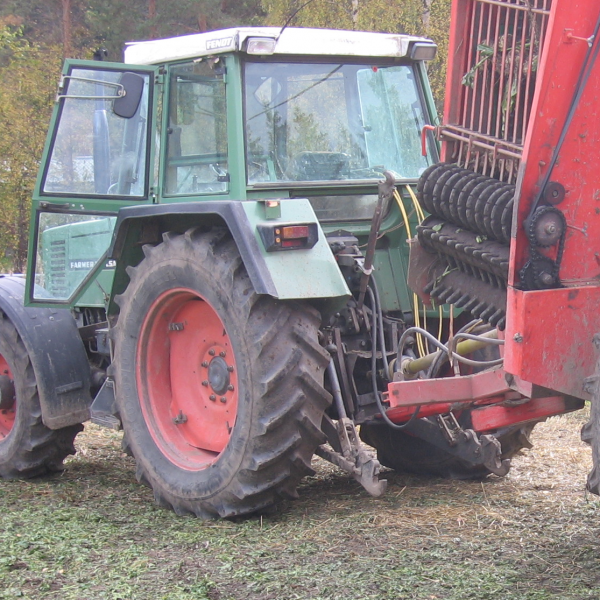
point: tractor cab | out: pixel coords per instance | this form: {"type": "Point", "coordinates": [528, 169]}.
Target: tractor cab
{"type": "Point", "coordinates": [241, 114]}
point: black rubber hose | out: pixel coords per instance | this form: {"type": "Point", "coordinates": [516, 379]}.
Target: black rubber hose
{"type": "Point", "coordinates": [380, 406]}
{"type": "Point", "coordinates": [376, 302]}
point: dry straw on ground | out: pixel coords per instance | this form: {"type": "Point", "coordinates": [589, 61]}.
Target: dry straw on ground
{"type": "Point", "coordinates": [94, 533]}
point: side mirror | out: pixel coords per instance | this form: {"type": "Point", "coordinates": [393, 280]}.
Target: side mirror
{"type": "Point", "coordinates": [133, 86]}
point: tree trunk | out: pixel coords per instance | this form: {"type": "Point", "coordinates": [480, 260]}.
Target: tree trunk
{"type": "Point", "coordinates": [426, 14]}
{"type": "Point", "coordinates": [152, 19]}
{"type": "Point", "coordinates": [354, 13]}
{"type": "Point", "coordinates": [20, 258]}
{"type": "Point", "coordinates": [66, 26]}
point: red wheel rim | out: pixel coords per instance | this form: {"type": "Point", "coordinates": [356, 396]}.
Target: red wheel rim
{"type": "Point", "coordinates": [187, 379]}
{"type": "Point", "coordinates": [8, 401]}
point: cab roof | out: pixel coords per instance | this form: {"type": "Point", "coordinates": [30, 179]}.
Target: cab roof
{"type": "Point", "coordinates": [292, 40]}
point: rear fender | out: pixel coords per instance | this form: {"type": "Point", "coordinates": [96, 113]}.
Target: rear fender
{"type": "Point", "coordinates": [307, 274]}
{"type": "Point", "coordinates": [56, 352]}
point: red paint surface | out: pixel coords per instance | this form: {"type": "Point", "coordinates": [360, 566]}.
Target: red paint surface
{"type": "Point", "coordinates": [460, 19]}
{"type": "Point", "coordinates": [577, 166]}
{"type": "Point", "coordinates": [170, 376]}
{"type": "Point", "coordinates": [489, 418]}
{"type": "Point", "coordinates": [556, 328]}
{"type": "Point", "coordinates": [420, 392]}
{"type": "Point", "coordinates": [402, 414]}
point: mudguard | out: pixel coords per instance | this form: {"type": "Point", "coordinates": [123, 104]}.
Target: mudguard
{"type": "Point", "coordinates": [307, 274]}
{"type": "Point", "coordinates": [57, 355]}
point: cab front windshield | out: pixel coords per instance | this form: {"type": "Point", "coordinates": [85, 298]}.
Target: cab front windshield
{"type": "Point", "coordinates": [332, 122]}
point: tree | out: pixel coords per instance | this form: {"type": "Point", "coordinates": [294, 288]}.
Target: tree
{"type": "Point", "coordinates": [151, 19]}
{"type": "Point", "coordinates": [30, 72]}
{"type": "Point", "coordinates": [67, 31]}
{"type": "Point", "coordinates": [82, 26]}
{"type": "Point", "coordinates": [26, 101]}
{"type": "Point", "coordinates": [50, 22]}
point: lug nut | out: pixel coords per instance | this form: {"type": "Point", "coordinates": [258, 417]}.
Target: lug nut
{"type": "Point", "coordinates": [205, 364]}
{"type": "Point", "coordinates": [205, 383]}
{"type": "Point", "coordinates": [180, 419]}
{"type": "Point", "coordinates": [230, 368]}
{"type": "Point", "coordinates": [230, 388]}
{"type": "Point", "coordinates": [211, 352]}
{"type": "Point", "coordinates": [223, 399]}
{"type": "Point", "coordinates": [222, 353]}
{"type": "Point", "coordinates": [212, 397]}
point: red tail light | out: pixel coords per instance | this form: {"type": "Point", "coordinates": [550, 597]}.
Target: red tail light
{"type": "Point", "coordinates": [289, 236]}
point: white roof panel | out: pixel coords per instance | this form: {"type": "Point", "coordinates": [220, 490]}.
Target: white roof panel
{"type": "Point", "coordinates": [293, 40]}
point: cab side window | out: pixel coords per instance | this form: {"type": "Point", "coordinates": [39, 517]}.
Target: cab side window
{"type": "Point", "coordinates": [197, 130]}
{"type": "Point", "coordinates": [98, 150]}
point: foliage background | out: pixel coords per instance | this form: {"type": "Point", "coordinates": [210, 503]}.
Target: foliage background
{"type": "Point", "coordinates": [35, 35]}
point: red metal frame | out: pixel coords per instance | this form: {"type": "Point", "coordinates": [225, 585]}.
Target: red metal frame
{"type": "Point", "coordinates": [548, 341]}
{"type": "Point", "coordinates": [557, 326]}
{"type": "Point", "coordinates": [419, 392]}
{"type": "Point", "coordinates": [489, 418]}
{"type": "Point", "coordinates": [548, 333]}
{"type": "Point", "coordinates": [497, 398]}
{"type": "Point", "coordinates": [477, 135]}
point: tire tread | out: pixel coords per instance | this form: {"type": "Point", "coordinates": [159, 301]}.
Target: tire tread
{"type": "Point", "coordinates": [30, 449]}
{"type": "Point", "coordinates": [289, 367]}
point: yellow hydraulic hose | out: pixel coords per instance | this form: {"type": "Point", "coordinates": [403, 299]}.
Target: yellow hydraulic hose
{"type": "Point", "coordinates": [413, 366]}
{"type": "Point", "coordinates": [420, 345]}
{"type": "Point", "coordinates": [421, 217]}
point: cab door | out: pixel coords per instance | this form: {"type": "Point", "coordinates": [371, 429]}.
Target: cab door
{"type": "Point", "coordinates": [99, 157]}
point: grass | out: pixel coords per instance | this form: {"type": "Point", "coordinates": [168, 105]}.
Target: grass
{"type": "Point", "coordinates": [94, 533]}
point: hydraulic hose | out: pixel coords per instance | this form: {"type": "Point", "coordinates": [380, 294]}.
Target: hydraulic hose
{"type": "Point", "coordinates": [376, 304]}
{"type": "Point", "coordinates": [382, 409]}
{"type": "Point", "coordinates": [427, 361]}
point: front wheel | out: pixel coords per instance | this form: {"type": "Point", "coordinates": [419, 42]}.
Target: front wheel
{"type": "Point", "coordinates": [27, 447]}
{"type": "Point", "coordinates": [220, 390]}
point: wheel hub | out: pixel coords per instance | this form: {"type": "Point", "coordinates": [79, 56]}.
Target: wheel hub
{"type": "Point", "coordinates": [218, 375]}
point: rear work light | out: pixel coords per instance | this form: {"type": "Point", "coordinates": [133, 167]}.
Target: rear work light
{"type": "Point", "coordinates": [423, 51]}
{"type": "Point", "coordinates": [261, 46]}
{"type": "Point", "coordinates": [288, 236]}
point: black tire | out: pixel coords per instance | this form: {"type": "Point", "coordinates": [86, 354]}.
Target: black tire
{"type": "Point", "coordinates": [125, 447]}
{"type": "Point", "coordinates": [590, 432]}
{"type": "Point", "coordinates": [27, 447]}
{"type": "Point", "coordinates": [406, 453]}
{"type": "Point", "coordinates": [279, 368]}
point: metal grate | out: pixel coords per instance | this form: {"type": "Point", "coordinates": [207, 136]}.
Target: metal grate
{"type": "Point", "coordinates": [497, 89]}
{"type": "Point", "coordinates": [57, 277]}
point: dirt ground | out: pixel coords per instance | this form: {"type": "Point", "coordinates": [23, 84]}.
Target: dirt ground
{"type": "Point", "coordinates": [94, 533]}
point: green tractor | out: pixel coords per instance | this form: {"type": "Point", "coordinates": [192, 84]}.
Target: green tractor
{"type": "Point", "coordinates": [219, 266]}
